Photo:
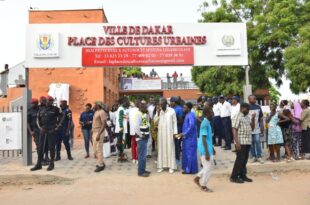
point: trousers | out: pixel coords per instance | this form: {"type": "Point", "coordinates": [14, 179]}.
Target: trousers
{"type": "Point", "coordinates": [240, 170]}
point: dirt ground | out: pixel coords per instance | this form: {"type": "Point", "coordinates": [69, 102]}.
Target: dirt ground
{"type": "Point", "coordinates": [285, 189]}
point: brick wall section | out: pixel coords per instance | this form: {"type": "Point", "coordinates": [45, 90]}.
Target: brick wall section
{"type": "Point", "coordinates": [67, 16]}
{"type": "Point", "coordinates": [13, 94]}
{"type": "Point", "coordinates": [189, 94]}
{"type": "Point", "coordinates": [86, 84]}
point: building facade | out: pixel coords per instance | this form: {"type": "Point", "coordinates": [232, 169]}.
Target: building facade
{"type": "Point", "coordinates": [86, 84]}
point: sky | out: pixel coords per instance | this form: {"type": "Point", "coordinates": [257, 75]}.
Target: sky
{"type": "Point", "coordinates": [14, 17]}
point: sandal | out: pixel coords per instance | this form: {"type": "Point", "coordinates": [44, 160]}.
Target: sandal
{"type": "Point", "coordinates": [206, 189]}
{"type": "Point", "coordinates": [196, 181]}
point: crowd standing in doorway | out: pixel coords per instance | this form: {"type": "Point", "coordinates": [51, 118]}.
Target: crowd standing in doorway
{"type": "Point", "coordinates": [177, 131]}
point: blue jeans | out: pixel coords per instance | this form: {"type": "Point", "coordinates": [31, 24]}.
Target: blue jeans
{"type": "Point", "coordinates": [256, 149]}
{"type": "Point", "coordinates": [87, 138]}
{"type": "Point", "coordinates": [142, 150]}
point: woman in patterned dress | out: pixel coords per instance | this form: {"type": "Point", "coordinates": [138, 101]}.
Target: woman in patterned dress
{"type": "Point", "coordinates": [275, 137]}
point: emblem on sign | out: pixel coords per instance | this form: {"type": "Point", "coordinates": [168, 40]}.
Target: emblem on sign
{"type": "Point", "coordinates": [228, 40]}
{"type": "Point", "coordinates": [45, 41]}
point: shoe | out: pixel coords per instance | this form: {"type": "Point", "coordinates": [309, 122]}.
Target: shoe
{"type": "Point", "coordinates": [45, 163]}
{"type": "Point", "coordinates": [99, 169]}
{"type": "Point", "coordinates": [227, 148]}
{"type": "Point", "coordinates": [260, 160]}
{"type": "Point", "coordinates": [196, 181]}
{"type": "Point", "coordinates": [69, 155]}
{"type": "Point", "coordinates": [254, 160]}
{"type": "Point", "coordinates": [223, 147]}
{"type": "Point", "coordinates": [87, 156]}
{"type": "Point", "coordinates": [184, 172]}
{"type": "Point", "coordinates": [50, 166]}
{"type": "Point", "coordinates": [57, 158]}
{"type": "Point", "coordinates": [148, 172]}
{"type": "Point", "coordinates": [171, 171]}
{"type": "Point", "coordinates": [290, 159]}
{"type": "Point", "coordinates": [134, 161]}
{"type": "Point", "coordinates": [149, 157]}
{"type": "Point", "coordinates": [237, 181]}
{"type": "Point", "coordinates": [246, 179]}
{"type": "Point", "coordinates": [144, 175]}
{"type": "Point", "coordinates": [160, 170]}
{"type": "Point", "coordinates": [36, 167]}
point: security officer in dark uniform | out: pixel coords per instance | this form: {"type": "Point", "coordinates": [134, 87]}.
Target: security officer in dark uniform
{"type": "Point", "coordinates": [33, 129]}
{"type": "Point", "coordinates": [48, 123]}
{"type": "Point", "coordinates": [42, 106]}
{"type": "Point", "coordinates": [63, 134]}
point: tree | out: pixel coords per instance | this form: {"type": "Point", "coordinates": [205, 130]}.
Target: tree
{"type": "Point", "coordinates": [271, 27]}
{"type": "Point", "coordinates": [129, 71]}
{"type": "Point", "coordinates": [297, 55]}
{"type": "Point", "coordinates": [274, 95]}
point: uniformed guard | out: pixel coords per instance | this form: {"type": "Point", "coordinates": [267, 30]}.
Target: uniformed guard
{"type": "Point", "coordinates": [33, 128]}
{"type": "Point", "coordinates": [63, 134]}
{"type": "Point", "coordinates": [42, 106]}
{"type": "Point", "coordinates": [48, 119]}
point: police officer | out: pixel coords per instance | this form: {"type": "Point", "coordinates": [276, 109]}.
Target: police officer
{"type": "Point", "coordinates": [63, 134]}
{"type": "Point", "coordinates": [33, 128]}
{"type": "Point", "coordinates": [48, 123]}
{"type": "Point", "coordinates": [42, 106]}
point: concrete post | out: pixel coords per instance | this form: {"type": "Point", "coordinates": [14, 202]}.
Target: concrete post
{"type": "Point", "coordinates": [247, 89]}
{"type": "Point", "coordinates": [27, 139]}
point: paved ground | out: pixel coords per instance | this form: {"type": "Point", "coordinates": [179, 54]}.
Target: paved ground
{"type": "Point", "coordinates": [81, 167]}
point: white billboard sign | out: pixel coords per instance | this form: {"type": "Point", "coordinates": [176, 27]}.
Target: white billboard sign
{"type": "Point", "coordinates": [140, 84]}
{"type": "Point", "coordinates": [104, 44]}
{"type": "Point", "coordinates": [10, 131]}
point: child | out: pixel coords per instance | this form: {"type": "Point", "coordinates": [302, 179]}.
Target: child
{"type": "Point", "coordinates": [205, 147]}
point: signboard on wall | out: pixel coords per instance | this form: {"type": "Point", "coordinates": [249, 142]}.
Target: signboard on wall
{"type": "Point", "coordinates": [140, 84]}
{"type": "Point", "coordinates": [87, 45]}
{"type": "Point", "coordinates": [10, 131]}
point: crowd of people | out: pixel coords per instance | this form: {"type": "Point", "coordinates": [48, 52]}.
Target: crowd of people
{"type": "Point", "coordinates": [177, 131]}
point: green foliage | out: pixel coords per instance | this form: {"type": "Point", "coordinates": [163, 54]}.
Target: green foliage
{"type": "Point", "coordinates": [132, 70]}
{"type": "Point", "coordinates": [297, 55]}
{"type": "Point", "coordinates": [278, 43]}
{"type": "Point", "coordinates": [274, 95]}
{"type": "Point", "coordinates": [219, 80]}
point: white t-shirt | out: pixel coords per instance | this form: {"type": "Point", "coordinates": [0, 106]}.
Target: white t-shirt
{"type": "Point", "coordinates": [226, 109]}
{"type": "Point", "coordinates": [235, 109]}
{"type": "Point", "coordinates": [217, 109]}
{"type": "Point", "coordinates": [150, 109]}
{"type": "Point", "coordinates": [59, 91]}
{"type": "Point", "coordinates": [133, 112]}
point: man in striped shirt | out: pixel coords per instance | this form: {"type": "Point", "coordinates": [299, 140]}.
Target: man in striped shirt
{"type": "Point", "coordinates": [242, 125]}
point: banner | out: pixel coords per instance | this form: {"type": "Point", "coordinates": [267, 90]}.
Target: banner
{"type": "Point", "coordinates": [105, 44]}
{"type": "Point", "coordinates": [140, 84]}
{"type": "Point", "coordinates": [10, 131]}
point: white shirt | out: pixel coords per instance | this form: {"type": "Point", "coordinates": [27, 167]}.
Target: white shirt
{"type": "Point", "coordinates": [133, 112]}
{"type": "Point", "coordinates": [235, 109]}
{"type": "Point", "coordinates": [150, 109]}
{"type": "Point", "coordinates": [59, 91]}
{"type": "Point", "coordinates": [117, 125]}
{"type": "Point", "coordinates": [226, 109]}
{"type": "Point", "coordinates": [217, 109]}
